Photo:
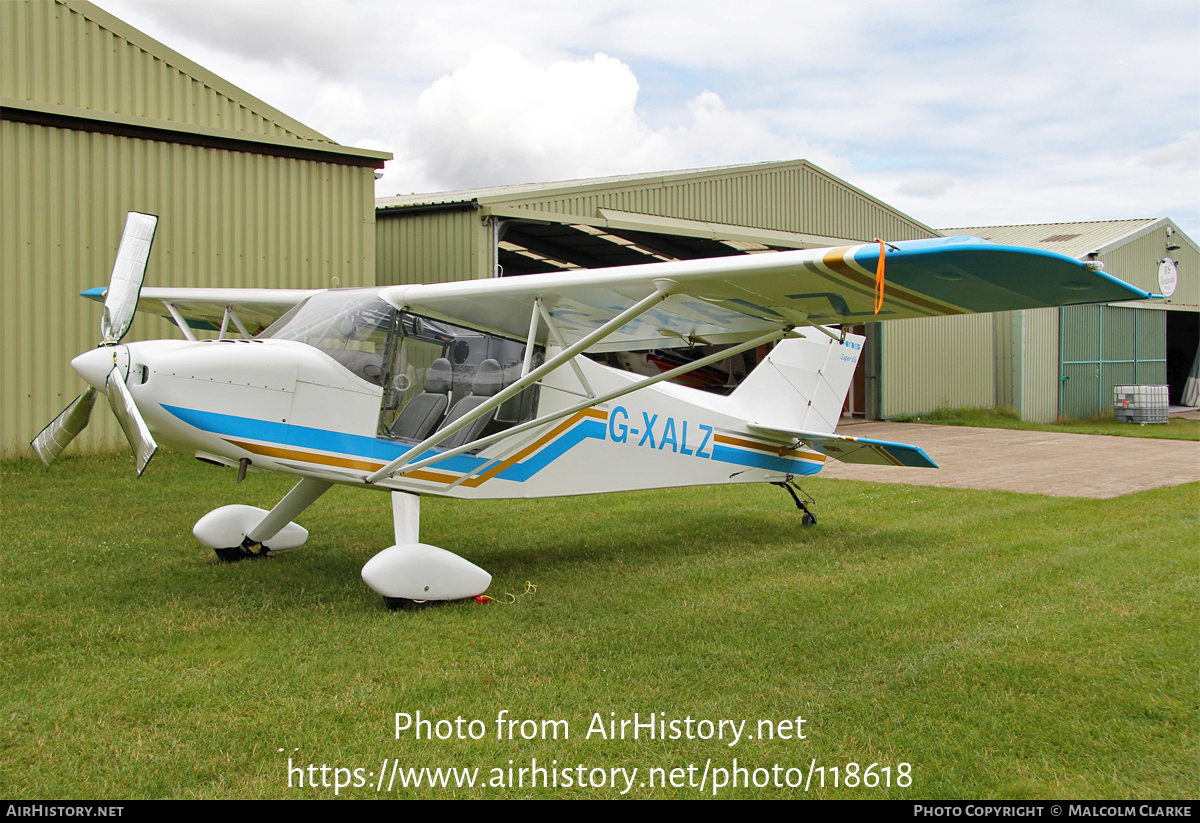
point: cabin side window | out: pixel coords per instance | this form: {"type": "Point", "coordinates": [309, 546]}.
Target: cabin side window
{"type": "Point", "coordinates": [435, 370]}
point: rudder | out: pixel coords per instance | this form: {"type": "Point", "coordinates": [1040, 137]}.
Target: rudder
{"type": "Point", "coordinates": [802, 384]}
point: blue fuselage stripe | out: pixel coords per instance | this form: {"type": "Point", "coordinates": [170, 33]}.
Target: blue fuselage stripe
{"type": "Point", "coordinates": [378, 448]}
{"type": "Point", "coordinates": [520, 472]}
{"type": "Point", "coordinates": [761, 460]}
{"type": "Point", "coordinates": [303, 437]}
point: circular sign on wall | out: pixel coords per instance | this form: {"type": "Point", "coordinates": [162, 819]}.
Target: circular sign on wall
{"type": "Point", "coordinates": [1168, 276]}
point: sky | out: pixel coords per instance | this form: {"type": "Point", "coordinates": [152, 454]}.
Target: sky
{"type": "Point", "coordinates": [959, 113]}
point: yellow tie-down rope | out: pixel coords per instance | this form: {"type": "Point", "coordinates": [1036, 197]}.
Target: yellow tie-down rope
{"type": "Point", "coordinates": [879, 275]}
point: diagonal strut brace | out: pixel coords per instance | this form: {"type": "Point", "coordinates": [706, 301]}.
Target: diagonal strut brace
{"type": "Point", "coordinates": [595, 401]}
{"type": "Point", "coordinates": [662, 292]}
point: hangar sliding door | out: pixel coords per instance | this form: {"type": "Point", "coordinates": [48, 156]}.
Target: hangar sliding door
{"type": "Point", "coordinates": [1105, 346]}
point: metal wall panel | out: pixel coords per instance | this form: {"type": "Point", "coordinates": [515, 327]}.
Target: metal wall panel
{"type": "Point", "coordinates": [1026, 355]}
{"type": "Point", "coordinates": [226, 219]}
{"type": "Point", "coordinates": [1002, 333]}
{"type": "Point", "coordinates": [1040, 398]}
{"type": "Point", "coordinates": [938, 362]}
{"type": "Point", "coordinates": [1151, 347]}
{"type": "Point", "coordinates": [431, 247]}
{"type": "Point", "coordinates": [1137, 263]}
{"type": "Point", "coordinates": [73, 55]}
{"type": "Point", "coordinates": [1079, 394]}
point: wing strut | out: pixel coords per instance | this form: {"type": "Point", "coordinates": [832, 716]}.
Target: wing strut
{"type": "Point", "coordinates": [594, 401]}
{"type": "Point", "coordinates": [230, 314]}
{"type": "Point", "coordinates": [558, 338]}
{"type": "Point", "coordinates": [531, 340]}
{"type": "Point", "coordinates": [237, 321]}
{"type": "Point", "coordinates": [180, 322]}
{"type": "Point", "coordinates": [662, 290]}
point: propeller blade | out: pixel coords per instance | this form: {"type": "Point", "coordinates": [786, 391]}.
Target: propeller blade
{"type": "Point", "coordinates": [120, 302]}
{"type": "Point", "coordinates": [136, 431]}
{"type": "Point", "coordinates": [51, 441]}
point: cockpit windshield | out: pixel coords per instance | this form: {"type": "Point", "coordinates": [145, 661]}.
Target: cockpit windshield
{"type": "Point", "coordinates": [350, 325]}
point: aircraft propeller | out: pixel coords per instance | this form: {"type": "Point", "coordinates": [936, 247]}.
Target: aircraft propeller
{"type": "Point", "coordinates": [100, 366]}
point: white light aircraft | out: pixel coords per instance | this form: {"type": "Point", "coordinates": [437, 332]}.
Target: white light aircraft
{"type": "Point", "coordinates": [480, 389]}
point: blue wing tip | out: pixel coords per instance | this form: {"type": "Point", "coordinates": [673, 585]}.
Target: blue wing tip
{"type": "Point", "coordinates": [911, 456]}
{"type": "Point", "coordinates": [96, 293]}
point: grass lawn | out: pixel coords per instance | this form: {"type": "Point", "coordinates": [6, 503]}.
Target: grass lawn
{"type": "Point", "coordinates": [1001, 645]}
{"type": "Point", "coordinates": [1177, 428]}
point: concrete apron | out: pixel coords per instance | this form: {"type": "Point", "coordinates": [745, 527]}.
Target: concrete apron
{"type": "Point", "coordinates": [1063, 465]}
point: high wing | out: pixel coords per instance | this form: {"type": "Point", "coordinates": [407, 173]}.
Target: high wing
{"type": "Point", "coordinates": [715, 300]}
{"type": "Point", "coordinates": [731, 299]}
{"type": "Point", "coordinates": [214, 309]}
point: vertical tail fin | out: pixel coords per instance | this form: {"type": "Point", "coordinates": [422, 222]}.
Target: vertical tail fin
{"type": "Point", "coordinates": [802, 384]}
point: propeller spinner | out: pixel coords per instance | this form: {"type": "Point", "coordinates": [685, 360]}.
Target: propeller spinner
{"type": "Point", "coordinates": [99, 367]}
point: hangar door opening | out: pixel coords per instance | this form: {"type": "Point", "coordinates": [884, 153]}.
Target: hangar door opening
{"type": "Point", "coordinates": [536, 246]}
{"type": "Point", "coordinates": [1183, 355]}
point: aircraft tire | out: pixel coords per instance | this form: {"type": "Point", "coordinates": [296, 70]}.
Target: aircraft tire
{"type": "Point", "coordinates": [236, 553]}
{"type": "Point", "coordinates": [405, 604]}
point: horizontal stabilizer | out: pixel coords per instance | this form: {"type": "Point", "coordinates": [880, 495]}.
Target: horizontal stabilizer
{"type": "Point", "coordinates": [857, 449]}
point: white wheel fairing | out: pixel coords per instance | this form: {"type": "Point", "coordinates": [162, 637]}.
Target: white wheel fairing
{"type": "Point", "coordinates": [418, 571]}
{"type": "Point", "coordinates": [227, 527]}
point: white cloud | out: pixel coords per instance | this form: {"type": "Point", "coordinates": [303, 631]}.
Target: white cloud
{"type": "Point", "coordinates": [1183, 153]}
{"type": "Point", "coordinates": [500, 119]}
{"type": "Point", "coordinates": [1037, 110]}
{"type": "Point", "coordinates": [337, 107]}
{"type": "Point", "coordinates": [930, 186]}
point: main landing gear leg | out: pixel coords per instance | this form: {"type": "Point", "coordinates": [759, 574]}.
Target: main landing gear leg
{"type": "Point", "coordinates": [414, 575]}
{"type": "Point", "coordinates": [238, 532]}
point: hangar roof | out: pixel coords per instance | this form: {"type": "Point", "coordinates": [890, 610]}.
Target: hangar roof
{"type": "Point", "coordinates": [1130, 249]}
{"type": "Point", "coordinates": [1072, 239]}
{"type": "Point", "coordinates": [691, 192]}
{"type": "Point", "coordinates": [520, 190]}
{"type": "Point", "coordinates": [637, 218]}
{"type": "Point", "coordinates": [70, 64]}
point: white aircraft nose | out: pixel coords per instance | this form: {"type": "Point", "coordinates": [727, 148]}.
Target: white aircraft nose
{"type": "Point", "coordinates": [94, 366]}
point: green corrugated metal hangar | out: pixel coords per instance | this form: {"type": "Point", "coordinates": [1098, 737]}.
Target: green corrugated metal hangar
{"type": "Point", "coordinates": [614, 221]}
{"type": "Point", "coordinates": [1013, 359]}
{"type": "Point", "coordinates": [1051, 363]}
{"type": "Point", "coordinates": [97, 119]}
{"type": "Point", "coordinates": [751, 209]}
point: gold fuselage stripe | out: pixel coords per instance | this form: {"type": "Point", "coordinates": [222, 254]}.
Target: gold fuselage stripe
{"type": "Point", "coordinates": [419, 474]}
{"type": "Point", "coordinates": [532, 447]}
{"type": "Point", "coordinates": [767, 447]}
{"type": "Point", "coordinates": [329, 460]}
